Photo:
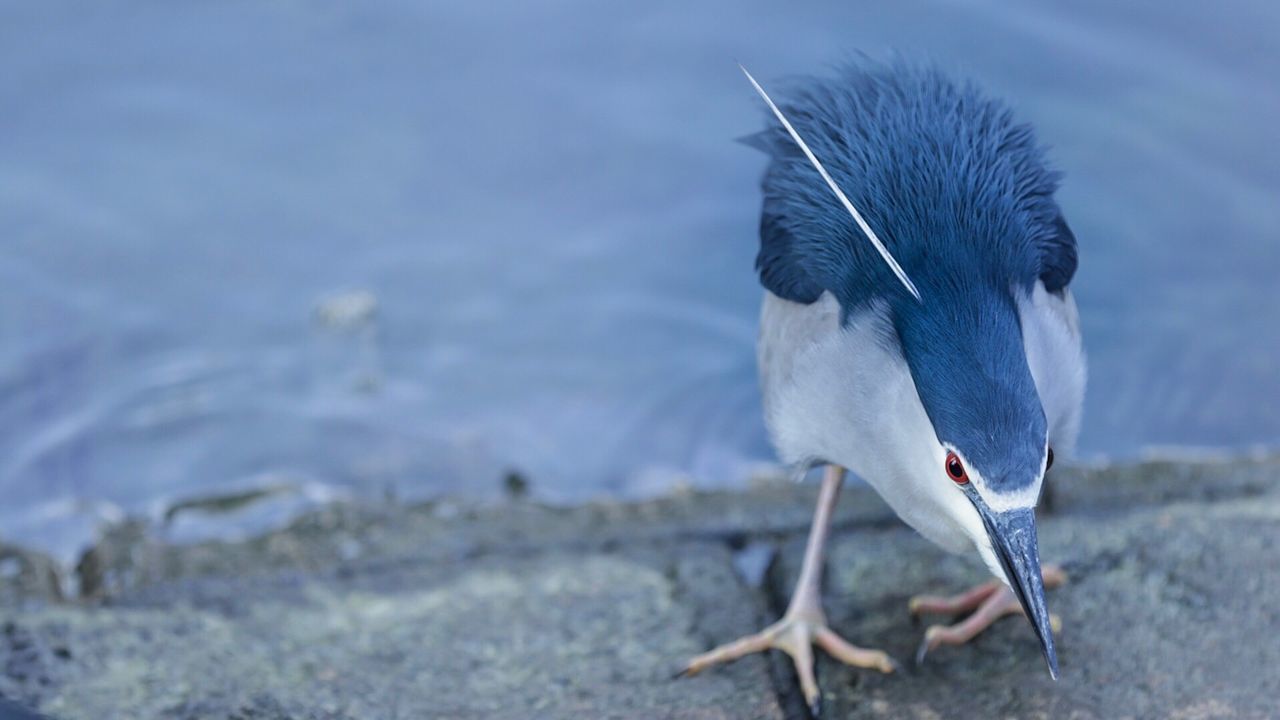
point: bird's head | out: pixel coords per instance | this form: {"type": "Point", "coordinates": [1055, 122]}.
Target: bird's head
{"type": "Point", "coordinates": [970, 370]}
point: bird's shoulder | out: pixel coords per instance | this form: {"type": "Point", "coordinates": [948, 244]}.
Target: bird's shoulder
{"type": "Point", "coordinates": [1055, 355]}
{"type": "Point", "coordinates": [942, 172]}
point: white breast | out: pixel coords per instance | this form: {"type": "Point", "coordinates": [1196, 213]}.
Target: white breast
{"type": "Point", "coordinates": [838, 393]}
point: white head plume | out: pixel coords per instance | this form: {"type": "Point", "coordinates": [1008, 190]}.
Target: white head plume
{"type": "Point", "coordinates": [857, 216]}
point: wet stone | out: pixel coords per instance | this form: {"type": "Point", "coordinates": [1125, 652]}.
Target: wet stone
{"type": "Point", "coordinates": [521, 610]}
{"type": "Point", "coordinates": [565, 635]}
{"type": "Point", "coordinates": [1169, 611]}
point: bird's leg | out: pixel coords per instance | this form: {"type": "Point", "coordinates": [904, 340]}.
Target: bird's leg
{"type": "Point", "coordinates": [987, 603]}
{"type": "Point", "coordinates": [804, 624]}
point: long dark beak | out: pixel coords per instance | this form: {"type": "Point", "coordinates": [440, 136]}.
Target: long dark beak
{"type": "Point", "coordinates": [1013, 535]}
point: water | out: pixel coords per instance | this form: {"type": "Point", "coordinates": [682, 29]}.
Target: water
{"type": "Point", "coordinates": [546, 205]}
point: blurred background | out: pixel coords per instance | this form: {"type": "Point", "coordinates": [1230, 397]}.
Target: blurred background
{"type": "Point", "coordinates": [406, 249]}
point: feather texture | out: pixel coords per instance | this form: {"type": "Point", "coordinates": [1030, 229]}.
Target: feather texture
{"type": "Point", "coordinates": [943, 173]}
{"type": "Point", "coordinates": [962, 197]}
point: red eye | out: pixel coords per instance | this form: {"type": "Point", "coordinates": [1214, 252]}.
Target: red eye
{"type": "Point", "coordinates": [1049, 461]}
{"type": "Point", "coordinates": [955, 469]}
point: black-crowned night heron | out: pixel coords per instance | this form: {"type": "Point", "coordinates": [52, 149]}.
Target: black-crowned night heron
{"type": "Point", "coordinates": [932, 348]}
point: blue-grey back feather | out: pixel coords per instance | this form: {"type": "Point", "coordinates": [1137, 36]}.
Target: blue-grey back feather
{"type": "Point", "coordinates": [922, 157]}
{"type": "Point", "coordinates": [962, 196]}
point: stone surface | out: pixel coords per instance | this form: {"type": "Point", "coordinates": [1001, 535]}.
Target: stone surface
{"type": "Point", "coordinates": [554, 634]}
{"type": "Point", "coordinates": [557, 635]}
{"type": "Point", "coordinates": [26, 574]}
{"type": "Point", "coordinates": [1169, 612]}
{"type": "Point", "coordinates": [524, 611]}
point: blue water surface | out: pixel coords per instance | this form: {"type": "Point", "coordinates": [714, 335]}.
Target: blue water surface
{"type": "Point", "coordinates": [546, 231]}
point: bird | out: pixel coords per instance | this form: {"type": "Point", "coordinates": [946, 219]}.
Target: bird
{"type": "Point", "coordinates": [918, 330]}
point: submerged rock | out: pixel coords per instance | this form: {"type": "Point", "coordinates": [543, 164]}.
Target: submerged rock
{"type": "Point", "coordinates": [347, 310]}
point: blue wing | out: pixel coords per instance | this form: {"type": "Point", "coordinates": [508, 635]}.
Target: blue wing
{"type": "Point", "coordinates": [950, 181]}
{"type": "Point", "coordinates": [781, 263]}
{"type": "Point", "coordinates": [1058, 257]}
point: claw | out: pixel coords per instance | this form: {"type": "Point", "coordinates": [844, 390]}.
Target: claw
{"type": "Point", "coordinates": [926, 645]}
{"type": "Point", "coordinates": [913, 608]}
{"type": "Point", "coordinates": [804, 625]}
{"type": "Point", "coordinates": [796, 634]}
{"type": "Point", "coordinates": [987, 603]}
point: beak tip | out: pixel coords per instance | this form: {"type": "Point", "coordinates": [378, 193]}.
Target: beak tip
{"type": "Point", "coordinates": [1013, 537]}
{"type": "Point", "coordinates": [1051, 658]}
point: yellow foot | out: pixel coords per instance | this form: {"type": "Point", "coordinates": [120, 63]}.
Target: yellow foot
{"type": "Point", "coordinates": [796, 635]}
{"type": "Point", "coordinates": [987, 603]}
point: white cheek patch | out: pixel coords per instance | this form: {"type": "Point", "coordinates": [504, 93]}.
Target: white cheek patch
{"type": "Point", "coordinates": [1002, 501]}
